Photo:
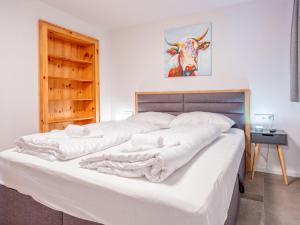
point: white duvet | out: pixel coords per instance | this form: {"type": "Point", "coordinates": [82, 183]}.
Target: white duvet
{"type": "Point", "coordinates": [57, 145]}
{"type": "Point", "coordinates": [182, 144]}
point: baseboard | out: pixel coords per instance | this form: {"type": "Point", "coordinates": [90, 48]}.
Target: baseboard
{"type": "Point", "coordinates": [278, 171]}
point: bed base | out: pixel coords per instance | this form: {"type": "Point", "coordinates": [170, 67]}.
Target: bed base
{"type": "Point", "coordinates": [19, 209]}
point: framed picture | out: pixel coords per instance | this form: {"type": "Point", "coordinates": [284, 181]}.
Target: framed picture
{"type": "Point", "coordinates": [188, 51]}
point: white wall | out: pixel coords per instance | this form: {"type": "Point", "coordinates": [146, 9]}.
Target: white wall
{"type": "Point", "coordinates": [250, 50]}
{"type": "Point", "coordinates": [19, 64]}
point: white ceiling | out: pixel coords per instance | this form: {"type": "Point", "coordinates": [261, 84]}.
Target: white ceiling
{"type": "Point", "coordinates": [116, 14]}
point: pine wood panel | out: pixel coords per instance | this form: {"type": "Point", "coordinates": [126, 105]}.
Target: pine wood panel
{"type": "Point", "coordinates": [43, 58]}
{"type": "Point", "coordinates": [69, 82]}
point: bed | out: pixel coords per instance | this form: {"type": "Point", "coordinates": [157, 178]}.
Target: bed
{"type": "Point", "coordinates": [37, 193]}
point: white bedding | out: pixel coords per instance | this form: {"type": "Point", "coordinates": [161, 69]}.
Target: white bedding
{"type": "Point", "coordinates": [155, 164]}
{"type": "Point", "coordinates": [57, 145]}
{"type": "Point", "coordinates": [197, 194]}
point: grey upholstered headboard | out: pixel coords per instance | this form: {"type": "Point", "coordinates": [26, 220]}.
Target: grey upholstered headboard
{"type": "Point", "coordinates": [233, 103]}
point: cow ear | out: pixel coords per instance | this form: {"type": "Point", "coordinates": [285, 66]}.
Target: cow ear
{"type": "Point", "coordinates": [172, 51]}
{"type": "Point", "coordinates": [204, 45]}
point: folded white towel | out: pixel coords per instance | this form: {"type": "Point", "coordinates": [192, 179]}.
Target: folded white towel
{"type": "Point", "coordinates": [77, 131]}
{"type": "Point", "coordinates": [146, 140]}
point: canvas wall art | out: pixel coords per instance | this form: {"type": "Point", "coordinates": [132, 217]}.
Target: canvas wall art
{"type": "Point", "coordinates": [188, 51]}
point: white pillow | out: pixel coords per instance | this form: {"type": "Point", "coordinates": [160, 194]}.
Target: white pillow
{"type": "Point", "coordinates": [196, 118]}
{"type": "Point", "coordinates": [156, 118]}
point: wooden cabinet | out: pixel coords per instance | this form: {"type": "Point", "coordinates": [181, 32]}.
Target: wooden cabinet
{"type": "Point", "coordinates": [69, 79]}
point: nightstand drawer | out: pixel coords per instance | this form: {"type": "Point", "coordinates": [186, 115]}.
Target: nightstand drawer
{"type": "Point", "coordinates": [267, 138]}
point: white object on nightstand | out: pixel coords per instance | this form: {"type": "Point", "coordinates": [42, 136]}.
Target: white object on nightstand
{"type": "Point", "coordinates": [263, 121]}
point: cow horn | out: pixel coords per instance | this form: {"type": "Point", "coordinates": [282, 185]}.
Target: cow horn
{"type": "Point", "coordinates": [177, 44]}
{"type": "Point", "coordinates": [201, 37]}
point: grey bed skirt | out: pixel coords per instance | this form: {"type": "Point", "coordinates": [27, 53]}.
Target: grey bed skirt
{"type": "Point", "coordinates": [19, 209]}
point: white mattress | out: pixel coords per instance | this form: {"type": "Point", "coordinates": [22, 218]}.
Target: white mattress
{"type": "Point", "coordinates": [197, 194]}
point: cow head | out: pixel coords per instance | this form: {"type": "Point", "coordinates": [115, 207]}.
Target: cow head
{"type": "Point", "coordinates": [187, 52]}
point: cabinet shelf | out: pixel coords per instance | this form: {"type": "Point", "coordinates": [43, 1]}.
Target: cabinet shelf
{"type": "Point", "coordinates": [71, 99]}
{"type": "Point", "coordinates": [63, 120]}
{"type": "Point", "coordinates": [70, 79]}
{"type": "Point", "coordinates": [70, 39]}
{"type": "Point", "coordinates": [69, 59]}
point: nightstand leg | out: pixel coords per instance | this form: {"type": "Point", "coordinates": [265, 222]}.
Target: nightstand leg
{"type": "Point", "coordinates": [282, 163]}
{"type": "Point", "coordinates": [256, 152]}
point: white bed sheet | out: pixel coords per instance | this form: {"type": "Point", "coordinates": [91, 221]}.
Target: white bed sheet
{"type": "Point", "coordinates": [197, 194]}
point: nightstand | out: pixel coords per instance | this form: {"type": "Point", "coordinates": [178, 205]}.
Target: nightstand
{"type": "Point", "coordinates": [277, 138]}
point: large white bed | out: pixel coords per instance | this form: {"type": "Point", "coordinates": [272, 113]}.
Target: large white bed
{"type": "Point", "coordinates": [198, 193]}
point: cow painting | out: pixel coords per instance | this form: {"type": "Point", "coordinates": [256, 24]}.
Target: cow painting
{"type": "Point", "coordinates": [184, 55]}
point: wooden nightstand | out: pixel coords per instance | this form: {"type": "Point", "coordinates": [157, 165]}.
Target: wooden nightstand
{"type": "Point", "coordinates": [277, 138]}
